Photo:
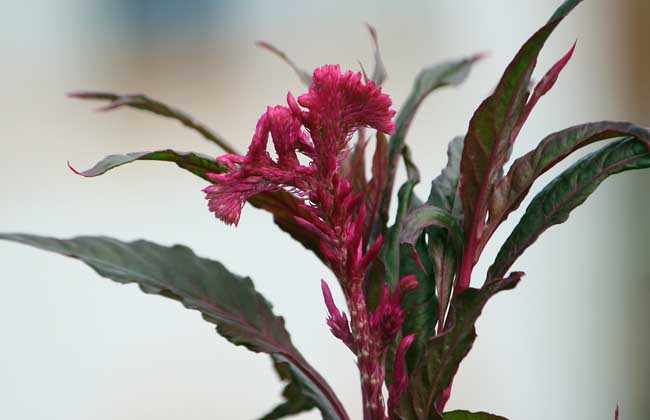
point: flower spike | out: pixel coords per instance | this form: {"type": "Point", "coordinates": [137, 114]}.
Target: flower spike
{"type": "Point", "coordinates": [337, 320]}
{"type": "Point", "coordinates": [400, 374]}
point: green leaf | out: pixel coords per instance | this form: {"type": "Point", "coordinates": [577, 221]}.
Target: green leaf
{"type": "Point", "coordinates": [431, 78]}
{"type": "Point", "coordinates": [379, 74]}
{"type": "Point", "coordinates": [446, 257]}
{"type": "Point", "coordinates": [145, 103]}
{"type": "Point", "coordinates": [445, 352]}
{"type": "Point", "coordinates": [466, 415]}
{"type": "Point", "coordinates": [225, 299]}
{"type": "Point", "coordinates": [304, 76]}
{"type": "Point", "coordinates": [510, 191]}
{"type": "Point", "coordinates": [489, 139]}
{"type": "Point", "coordinates": [390, 252]}
{"type": "Point", "coordinates": [421, 305]}
{"type": "Point", "coordinates": [555, 202]}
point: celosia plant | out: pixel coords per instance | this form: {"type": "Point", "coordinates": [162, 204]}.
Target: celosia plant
{"type": "Point", "coordinates": [410, 308]}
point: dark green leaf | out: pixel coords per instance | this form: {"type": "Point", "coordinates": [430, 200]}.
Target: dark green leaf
{"type": "Point", "coordinates": [444, 353]}
{"type": "Point", "coordinates": [196, 163]}
{"type": "Point", "coordinates": [225, 299]}
{"type": "Point", "coordinates": [509, 192]}
{"type": "Point", "coordinates": [421, 305]}
{"type": "Point", "coordinates": [431, 78]}
{"type": "Point", "coordinates": [570, 189]}
{"type": "Point", "coordinates": [466, 415]}
{"type": "Point", "coordinates": [390, 253]}
{"type": "Point", "coordinates": [145, 103]}
{"type": "Point", "coordinates": [305, 77]}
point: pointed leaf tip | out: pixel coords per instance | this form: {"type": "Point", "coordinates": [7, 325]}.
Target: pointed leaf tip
{"type": "Point", "coordinates": [73, 169]}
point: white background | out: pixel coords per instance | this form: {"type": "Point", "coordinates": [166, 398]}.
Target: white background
{"type": "Point", "coordinates": [570, 342]}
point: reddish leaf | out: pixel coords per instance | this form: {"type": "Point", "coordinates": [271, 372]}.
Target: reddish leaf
{"type": "Point", "coordinates": [490, 135]}
{"type": "Point", "coordinates": [510, 190]}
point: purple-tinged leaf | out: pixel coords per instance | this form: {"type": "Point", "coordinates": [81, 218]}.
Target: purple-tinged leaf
{"type": "Point", "coordinates": [283, 206]}
{"type": "Point", "coordinates": [379, 74]}
{"type": "Point", "coordinates": [429, 79]}
{"type": "Point", "coordinates": [145, 103]}
{"type": "Point", "coordinates": [554, 203]}
{"type": "Point", "coordinates": [510, 190]}
{"type": "Point", "coordinates": [445, 352]}
{"type": "Point", "coordinates": [304, 76]}
{"type": "Point", "coordinates": [466, 415]}
{"type": "Point", "coordinates": [225, 299]}
{"type": "Point", "coordinates": [490, 136]}
{"type": "Point", "coordinates": [196, 163]}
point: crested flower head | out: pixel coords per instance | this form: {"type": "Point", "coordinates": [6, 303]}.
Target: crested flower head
{"type": "Point", "coordinates": [337, 105]}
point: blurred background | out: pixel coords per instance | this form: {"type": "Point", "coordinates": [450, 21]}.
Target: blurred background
{"type": "Point", "coordinates": [570, 342]}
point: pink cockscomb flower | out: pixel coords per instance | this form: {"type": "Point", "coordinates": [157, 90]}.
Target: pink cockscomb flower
{"type": "Point", "coordinates": [336, 106]}
{"type": "Point", "coordinates": [319, 125]}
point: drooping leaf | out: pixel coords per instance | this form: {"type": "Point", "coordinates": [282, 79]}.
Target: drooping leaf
{"type": "Point", "coordinates": [420, 218]}
{"type": "Point", "coordinates": [444, 353]}
{"type": "Point", "coordinates": [555, 202]}
{"type": "Point", "coordinates": [282, 205]}
{"type": "Point", "coordinates": [466, 415]}
{"type": "Point", "coordinates": [304, 76]}
{"type": "Point", "coordinates": [510, 191]}
{"type": "Point", "coordinates": [489, 139]}
{"type": "Point", "coordinates": [145, 103]}
{"type": "Point", "coordinates": [225, 299]}
{"type": "Point", "coordinates": [196, 163]}
{"type": "Point", "coordinates": [379, 74]}
{"type": "Point", "coordinates": [446, 258]}
{"type": "Point", "coordinates": [431, 78]}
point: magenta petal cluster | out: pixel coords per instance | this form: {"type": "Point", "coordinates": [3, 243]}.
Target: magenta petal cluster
{"type": "Point", "coordinates": [334, 108]}
{"type": "Point", "coordinates": [319, 126]}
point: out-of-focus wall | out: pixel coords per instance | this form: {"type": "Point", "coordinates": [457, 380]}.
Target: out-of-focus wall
{"type": "Point", "coordinates": [570, 342]}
